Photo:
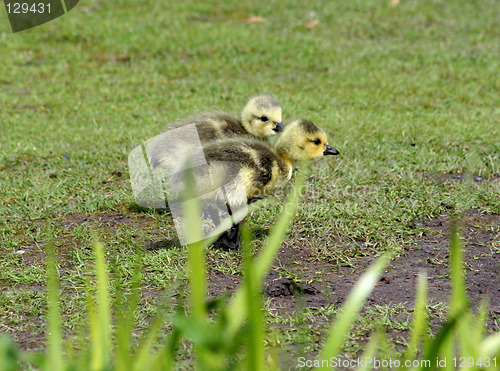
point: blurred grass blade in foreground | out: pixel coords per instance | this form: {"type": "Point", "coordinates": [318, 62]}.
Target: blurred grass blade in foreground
{"type": "Point", "coordinates": [351, 308]}
{"type": "Point", "coordinates": [54, 360]}
{"type": "Point", "coordinates": [420, 323]}
{"type": "Point", "coordinates": [100, 314]}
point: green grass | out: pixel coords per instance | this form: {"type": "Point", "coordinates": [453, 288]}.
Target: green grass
{"type": "Point", "coordinates": [406, 93]}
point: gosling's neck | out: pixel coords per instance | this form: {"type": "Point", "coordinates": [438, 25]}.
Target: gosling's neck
{"type": "Point", "coordinates": [283, 151]}
{"type": "Point", "coordinates": [247, 124]}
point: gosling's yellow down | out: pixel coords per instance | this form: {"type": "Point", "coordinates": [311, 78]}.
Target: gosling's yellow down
{"type": "Point", "coordinates": [260, 119]}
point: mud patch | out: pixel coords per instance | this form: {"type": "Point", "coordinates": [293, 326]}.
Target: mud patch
{"type": "Point", "coordinates": [221, 284]}
{"type": "Point", "coordinates": [101, 219]}
{"type": "Point", "coordinates": [443, 178]}
{"type": "Point", "coordinates": [281, 287]}
{"type": "Point", "coordinates": [481, 260]}
{"type": "Point", "coordinates": [328, 284]}
{"type": "Point", "coordinates": [157, 232]}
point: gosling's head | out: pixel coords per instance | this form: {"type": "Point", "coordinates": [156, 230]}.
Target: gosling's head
{"type": "Point", "coordinates": [302, 140]}
{"type": "Point", "coordinates": [261, 116]}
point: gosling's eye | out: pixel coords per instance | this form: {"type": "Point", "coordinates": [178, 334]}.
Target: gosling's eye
{"type": "Point", "coordinates": [264, 119]}
{"type": "Point", "coordinates": [317, 142]}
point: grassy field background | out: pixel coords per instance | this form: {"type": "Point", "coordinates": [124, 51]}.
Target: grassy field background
{"type": "Point", "coordinates": [409, 94]}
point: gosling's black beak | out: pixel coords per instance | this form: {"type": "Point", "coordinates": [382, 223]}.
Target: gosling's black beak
{"type": "Point", "coordinates": [279, 127]}
{"type": "Point", "coordinates": [330, 151]}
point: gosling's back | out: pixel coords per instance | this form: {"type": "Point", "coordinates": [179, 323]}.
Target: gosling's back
{"type": "Point", "coordinates": [215, 125]}
{"type": "Point", "coordinates": [260, 168]}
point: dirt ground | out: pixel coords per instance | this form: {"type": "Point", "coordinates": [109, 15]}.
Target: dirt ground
{"type": "Point", "coordinates": [398, 283]}
{"type": "Point", "coordinates": [323, 283]}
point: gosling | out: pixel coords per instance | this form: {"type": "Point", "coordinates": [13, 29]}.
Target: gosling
{"type": "Point", "coordinates": [245, 170]}
{"type": "Point", "coordinates": [262, 168]}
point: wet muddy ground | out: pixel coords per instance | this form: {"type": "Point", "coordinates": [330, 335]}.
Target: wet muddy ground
{"type": "Point", "coordinates": [321, 283]}
{"type": "Point", "coordinates": [300, 280]}
{"type": "Point", "coordinates": [398, 282]}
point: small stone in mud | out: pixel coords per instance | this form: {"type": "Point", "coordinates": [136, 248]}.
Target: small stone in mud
{"type": "Point", "coordinates": [385, 280]}
{"type": "Point", "coordinates": [280, 287]}
{"type": "Point", "coordinates": [309, 290]}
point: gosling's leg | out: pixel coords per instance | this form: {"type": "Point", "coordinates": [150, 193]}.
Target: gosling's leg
{"type": "Point", "coordinates": [230, 239]}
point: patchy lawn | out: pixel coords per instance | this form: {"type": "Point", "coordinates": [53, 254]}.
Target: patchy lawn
{"type": "Point", "coordinates": [407, 93]}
